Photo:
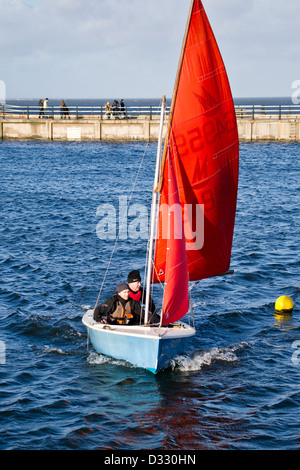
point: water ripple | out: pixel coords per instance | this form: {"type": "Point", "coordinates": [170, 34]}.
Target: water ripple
{"type": "Point", "coordinates": [236, 388]}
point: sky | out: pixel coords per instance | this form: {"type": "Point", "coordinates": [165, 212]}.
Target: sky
{"type": "Point", "coordinates": [130, 48]}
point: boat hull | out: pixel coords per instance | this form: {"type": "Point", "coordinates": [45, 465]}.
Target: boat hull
{"type": "Point", "coordinates": [148, 347]}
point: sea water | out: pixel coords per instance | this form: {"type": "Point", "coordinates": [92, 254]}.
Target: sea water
{"type": "Point", "coordinates": [237, 387]}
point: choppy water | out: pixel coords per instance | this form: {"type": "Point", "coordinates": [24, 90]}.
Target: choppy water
{"type": "Point", "coordinates": [238, 386]}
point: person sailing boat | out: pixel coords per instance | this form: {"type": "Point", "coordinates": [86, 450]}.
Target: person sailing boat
{"type": "Point", "coordinates": [198, 167]}
{"type": "Point", "coordinates": [138, 293]}
{"type": "Point", "coordinates": [119, 309]}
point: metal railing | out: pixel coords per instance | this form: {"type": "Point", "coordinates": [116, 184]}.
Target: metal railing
{"type": "Point", "coordinates": [267, 112]}
{"type": "Point", "coordinates": [79, 112]}
{"type": "Point", "coordinates": [136, 112]}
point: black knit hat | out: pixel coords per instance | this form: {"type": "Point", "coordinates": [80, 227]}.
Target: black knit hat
{"type": "Point", "coordinates": [134, 276]}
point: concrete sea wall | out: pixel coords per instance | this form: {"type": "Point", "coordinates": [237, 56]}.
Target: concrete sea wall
{"type": "Point", "coordinates": [83, 129]}
{"type": "Point", "coordinates": [287, 130]}
{"type": "Point", "coordinates": [142, 129]}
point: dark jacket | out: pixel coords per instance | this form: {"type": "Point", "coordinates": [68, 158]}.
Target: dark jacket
{"type": "Point", "coordinates": [140, 297]}
{"type": "Point", "coordinates": [119, 311]}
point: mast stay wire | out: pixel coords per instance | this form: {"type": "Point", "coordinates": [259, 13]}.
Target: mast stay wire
{"type": "Point", "coordinates": [121, 225]}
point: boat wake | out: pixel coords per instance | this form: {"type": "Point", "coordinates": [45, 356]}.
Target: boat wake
{"type": "Point", "coordinates": [200, 359]}
{"type": "Point", "coordinates": [95, 358]}
{"type": "Point", "coordinates": [183, 363]}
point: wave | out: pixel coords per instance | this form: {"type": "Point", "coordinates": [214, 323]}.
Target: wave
{"type": "Point", "coordinates": [95, 358]}
{"type": "Point", "coordinates": [199, 359]}
{"type": "Point", "coordinates": [183, 363]}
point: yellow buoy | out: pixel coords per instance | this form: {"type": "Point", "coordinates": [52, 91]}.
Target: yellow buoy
{"type": "Point", "coordinates": [284, 304]}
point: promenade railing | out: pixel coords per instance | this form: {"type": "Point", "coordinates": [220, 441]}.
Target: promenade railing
{"type": "Point", "coordinates": [79, 112]}
{"type": "Point", "coordinates": [290, 111]}
{"type": "Point", "coordinates": [253, 112]}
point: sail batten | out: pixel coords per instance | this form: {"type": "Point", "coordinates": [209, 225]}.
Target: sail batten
{"type": "Point", "coordinates": [203, 148]}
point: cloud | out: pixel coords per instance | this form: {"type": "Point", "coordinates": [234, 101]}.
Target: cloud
{"type": "Point", "coordinates": [258, 41]}
{"type": "Point", "coordinates": [89, 48]}
{"type": "Point", "coordinates": [101, 41]}
{"type": "Point", "coordinates": [72, 25]}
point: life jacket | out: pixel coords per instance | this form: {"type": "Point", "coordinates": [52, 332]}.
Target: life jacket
{"type": "Point", "coordinates": [122, 314]}
{"type": "Point", "coordinates": [136, 295]}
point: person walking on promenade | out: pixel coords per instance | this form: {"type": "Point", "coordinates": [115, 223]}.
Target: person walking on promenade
{"type": "Point", "coordinates": [41, 109]}
{"type": "Point", "coordinates": [64, 110]}
{"type": "Point", "coordinates": [116, 109]}
{"type": "Point", "coordinates": [108, 110]}
{"type": "Point", "coordinates": [122, 106]}
{"type": "Point", "coordinates": [45, 106]}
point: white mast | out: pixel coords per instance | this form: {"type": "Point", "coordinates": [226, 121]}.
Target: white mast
{"type": "Point", "coordinates": [153, 208]}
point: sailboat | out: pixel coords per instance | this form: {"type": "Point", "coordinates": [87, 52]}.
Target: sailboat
{"type": "Point", "coordinates": [193, 202]}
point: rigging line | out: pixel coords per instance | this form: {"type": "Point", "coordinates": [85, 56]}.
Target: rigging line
{"type": "Point", "coordinates": [192, 312]}
{"type": "Point", "coordinates": [193, 285]}
{"type": "Point", "coordinates": [124, 216]}
{"type": "Point", "coordinates": [145, 276]}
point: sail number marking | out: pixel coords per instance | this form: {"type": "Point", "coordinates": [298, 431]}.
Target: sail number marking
{"type": "Point", "coordinates": [195, 140]}
{"type": "Point", "coordinates": [212, 129]}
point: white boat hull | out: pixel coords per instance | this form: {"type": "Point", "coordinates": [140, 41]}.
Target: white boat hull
{"type": "Point", "coordinates": [149, 347]}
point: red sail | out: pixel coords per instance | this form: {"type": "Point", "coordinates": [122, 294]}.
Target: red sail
{"type": "Point", "coordinates": [176, 297]}
{"type": "Point", "coordinates": [203, 139]}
